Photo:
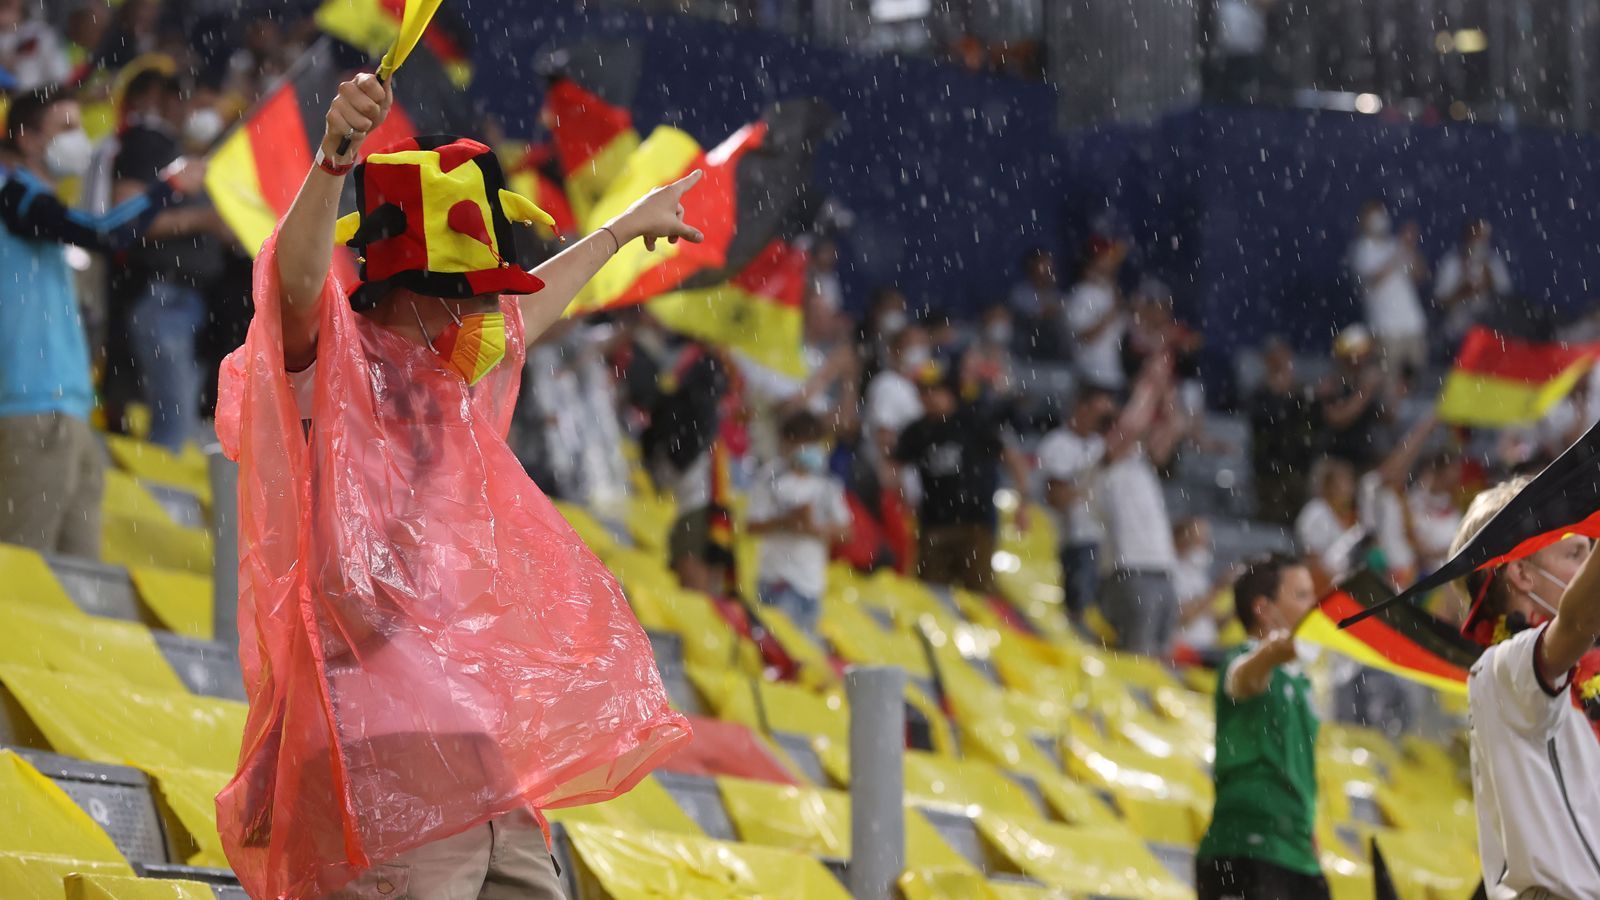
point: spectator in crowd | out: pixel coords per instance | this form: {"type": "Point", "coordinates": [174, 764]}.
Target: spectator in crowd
{"type": "Point", "coordinates": [957, 449]}
{"type": "Point", "coordinates": [1195, 582]}
{"type": "Point", "coordinates": [888, 314]}
{"type": "Point", "coordinates": [1261, 842]}
{"type": "Point", "coordinates": [1072, 460]}
{"type": "Point", "coordinates": [892, 398]}
{"type": "Point", "coordinates": [1153, 328]}
{"type": "Point", "coordinates": [824, 292]}
{"type": "Point", "coordinates": [1387, 268]}
{"type": "Point", "coordinates": [1138, 598]}
{"type": "Point", "coordinates": [1281, 436]}
{"type": "Point", "coordinates": [987, 361]}
{"type": "Point", "coordinates": [133, 33]}
{"type": "Point", "coordinates": [798, 511]}
{"type": "Point", "coordinates": [1239, 49]}
{"type": "Point", "coordinates": [1435, 513]}
{"type": "Point", "coordinates": [680, 446]}
{"type": "Point", "coordinates": [50, 461]}
{"type": "Point", "coordinates": [1385, 515]}
{"type": "Point", "coordinates": [1353, 402]}
{"type": "Point", "coordinates": [1328, 529]}
{"type": "Point", "coordinates": [177, 258]}
{"type": "Point", "coordinates": [1096, 319]}
{"type": "Point", "coordinates": [30, 51]}
{"type": "Point", "coordinates": [1038, 303]}
{"type": "Point", "coordinates": [84, 31]}
{"type": "Point", "coordinates": [1468, 282]}
{"type": "Point", "coordinates": [1569, 418]}
{"type": "Point", "coordinates": [1534, 753]}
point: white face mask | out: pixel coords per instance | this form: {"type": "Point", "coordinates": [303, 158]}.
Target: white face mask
{"type": "Point", "coordinates": [892, 323]}
{"type": "Point", "coordinates": [202, 127]}
{"type": "Point", "coordinates": [999, 333]}
{"type": "Point", "coordinates": [917, 357]}
{"type": "Point", "coordinates": [68, 154]}
{"type": "Point", "coordinates": [1378, 223]}
{"type": "Point", "coordinates": [1540, 600]}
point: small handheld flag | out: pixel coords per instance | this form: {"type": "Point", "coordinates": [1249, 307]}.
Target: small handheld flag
{"type": "Point", "coordinates": [415, 21]}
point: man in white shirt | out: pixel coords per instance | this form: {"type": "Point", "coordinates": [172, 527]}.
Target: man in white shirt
{"type": "Point", "coordinates": [799, 512]}
{"type": "Point", "coordinates": [1096, 318]}
{"type": "Point", "coordinates": [1535, 760]}
{"type": "Point", "coordinates": [1072, 459]}
{"type": "Point", "coordinates": [1387, 268]}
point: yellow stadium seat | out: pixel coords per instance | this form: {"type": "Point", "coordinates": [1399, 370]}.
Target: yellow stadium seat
{"type": "Point", "coordinates": [708, 639]}
{"type": "Point", "coordinates": [189, 796]}
{"type": "Point", "coordinates": [185, 471]}
{"type": "Point", "coordinates": [768, 705]}
{"type": "Point", "coordinates": [1163, 800]}
{"type": "Point", "coordinates": [816, 670]}
{"type": "Point", "coordinates": [595, 535]}
{"type": "Point", "coordinates": [44, 877]}
{"type": "Point", "coordinates": [1073, 803]}
{"type": "Point", "coordinates": [1425, 866]}
{"type": "Point", "coordinates": [124, 724]}
{"type": "Point", "coordinates": [118, 887]}
{"type": "Point", "coordinates": [943, 884]}
{"type": "Point", "coordinates": [30, 582]}
{"type": "Point", "coordinates": [817, 822]}
{"type": "Point", "coordinates": [964, 785]}
{"type": "Point", "coordinates": [625, 865]}
{"type": "Point", "coordinates": [127, 541]}
{"type": "Point", "coordinates": [1102, 861]}
{"type": "Point", "coordinates": [1359, 745]}
{"type": "Point", "coordinates": [41, 821]}
{"type": "Point", "coordinates": [180, 601]}
{"type": "Point", "coordinates": [648, 807]}
{"type": "Point", "coordinates": [126, 498]}
{"type": "Point", "coordinates": [110, 649]}
{"type": "Point", "coordinates": [1165, 739]}
{"type": "Point", "coordinates": [859, 639]}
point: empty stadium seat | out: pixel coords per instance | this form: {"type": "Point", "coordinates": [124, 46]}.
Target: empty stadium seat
{"type": "Point", "coordinates": [625, 865]}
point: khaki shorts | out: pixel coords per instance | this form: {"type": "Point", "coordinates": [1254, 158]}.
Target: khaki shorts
{"type": "Point", "coordinates": [502, 859]}
{"type": "Point", "coordinates": [52, 475]}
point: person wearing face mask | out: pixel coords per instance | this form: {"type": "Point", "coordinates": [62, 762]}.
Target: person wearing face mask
{"type": "Point", "coordinates": [29, 49]}
{"type": "Point", "coordinates": [798, 511]}
{"type": "Point", "coordinates": [1072, 459]}
{"type": "Point", "coordinates": [1387, 268]}
{"type": "Point", "coordinates": [892, 400]}
{"type": "Point", "coordinates": [50, 463]}
{"type": "Point", "coordinates": [169, 271]}
{"type": "Point", "coordinates": [987, 361]}
{"type": "Point", "coordinates": [1535, 757]}
{"type": "Point", "coordinates": [1468, 281]}
{"type": "Point", "coordinates": [432, 654]}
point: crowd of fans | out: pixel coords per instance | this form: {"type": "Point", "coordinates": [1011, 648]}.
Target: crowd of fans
{"type": "Point", "coordinates": [892, 452]}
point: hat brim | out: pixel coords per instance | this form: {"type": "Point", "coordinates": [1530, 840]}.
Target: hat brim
{"type": "Point", "coordinates": [452, 286]}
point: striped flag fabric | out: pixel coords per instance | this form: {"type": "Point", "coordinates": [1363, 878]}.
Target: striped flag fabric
{"type": "Point", "coordinates": [1562, 500]}
{"type": "Point", "coordinates": [1500, 380]}
{"type": "Point", "coordinates": [1400, 638]}
{"type": "Point", "coordinates": [587, 110]}
{"type": "Point", "coordinates": [753, 183]}
{"type": "Point", "coordinates": [757, 313]}
{"type": "Point", "coordinates": [256, 169]}
{"type": "Point", "coordinates": [372, 26]}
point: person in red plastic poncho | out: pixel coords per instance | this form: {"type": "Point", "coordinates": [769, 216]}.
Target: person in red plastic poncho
{"type": "Point", "coordinates": [432, 655]}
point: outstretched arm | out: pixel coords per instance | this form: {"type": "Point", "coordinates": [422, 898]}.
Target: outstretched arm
{"type": "Point", "coordinates": [305, 237]}
{"type": "Point", "coordinates": [656, 215]}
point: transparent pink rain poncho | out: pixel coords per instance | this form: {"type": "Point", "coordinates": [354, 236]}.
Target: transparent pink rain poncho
{"type": "Point", "coordinates": [425, 641]}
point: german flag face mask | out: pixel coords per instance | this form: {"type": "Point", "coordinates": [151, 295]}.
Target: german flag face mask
{"type": "Point", "coordinates": [472, 345]}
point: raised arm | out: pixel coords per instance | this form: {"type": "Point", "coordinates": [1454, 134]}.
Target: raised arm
{"type": "Point", "coordinates": [29, 210]}
{"type": "Point", "coordinates": [305, 237]}
{"type": "Point", "coordinates": [656, 215]}
{"type": "Point", "coordinates": [1576, 626]}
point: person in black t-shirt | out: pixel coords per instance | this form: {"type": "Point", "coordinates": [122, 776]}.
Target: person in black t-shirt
{"type": "Point", "coordinates": [1282, 437]}
{"type": "Point", "coordinates": [175, 261]}
{"type": "Point", "coordinates": [957, 449]}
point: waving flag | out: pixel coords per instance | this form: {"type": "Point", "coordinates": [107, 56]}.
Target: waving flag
{"type": "Point", "coordinates": [1501, 380]}
{"type": "Point", "coordinates": [375, 26]}
{"type": "Point", "coordinates": [753, 182]}
{"type": "Point", "coordinates": [1564, 499]}
{"type": "Point", "coordinates": [756, 313]}
{"type": "Point", "coordinates": [588, 95]}
{"type": "Point", "coordinates": [1402, 639]}
{"type": "Point", "coordinates": [256, 169]}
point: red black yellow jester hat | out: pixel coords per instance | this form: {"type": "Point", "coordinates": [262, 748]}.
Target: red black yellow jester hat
{"type": "Point", "coordinates": [433, 215]}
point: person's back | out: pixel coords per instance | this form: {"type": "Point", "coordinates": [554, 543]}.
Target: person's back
{"type": "Point", "coordinates": [1261, 844]}
{"type": "Point", "coordinates": [1535, 757]}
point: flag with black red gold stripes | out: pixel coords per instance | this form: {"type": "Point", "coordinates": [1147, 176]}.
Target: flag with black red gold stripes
{"type": "Point", "coordinates": [1400, 638]}
{"type": "Point", "coordinates": [257, 168]}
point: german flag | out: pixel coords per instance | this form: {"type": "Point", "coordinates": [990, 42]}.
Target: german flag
{"type": "Point", "coordinates": [1500, 380]}
{"type": "Point", "coordinates": [756, 313]}
{"type": "Point", "coordinates": [372, 25]}
{"type": "Point", "coordinates": [753, 182]}
{"type": "Point", "coordinates": [1400, 638]}
{"type": "Point", "coordinates": [1562, 500]}
{"type": "Point", "coordinates": [588, 95]}
{"type": "Point", "coordinates": [257, 169]}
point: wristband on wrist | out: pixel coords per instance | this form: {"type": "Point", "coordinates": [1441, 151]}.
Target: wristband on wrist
{"type": "Point", "coordinates": [331, 167]}
{"type": "Point", "coordinates": [607, 230]}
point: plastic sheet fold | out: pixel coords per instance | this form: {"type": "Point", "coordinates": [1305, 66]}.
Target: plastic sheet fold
{"type": "Point", "coordinates": [426, 642]}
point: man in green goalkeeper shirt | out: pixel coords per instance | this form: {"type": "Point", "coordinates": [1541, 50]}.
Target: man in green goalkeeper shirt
{"type": "Point", "coordinates": [1260, 845]}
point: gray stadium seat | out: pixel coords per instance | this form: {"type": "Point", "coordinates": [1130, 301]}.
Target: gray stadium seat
{"type": "Point", "coordinates": [1178, 860]}
{"type": "Point", "coordinates": [798, 747]}
{"type": "Point", "coordinates": [959, 832]}
{"type": "Point", "coordinates": [98, 589]}
{"type": "Point", "coordinates": [206, 667]}
{"type": "Point", "coordinates": [118, 799]}
{"type": "Point", "coordinates": [702, 800]}
{"type": "Point", "coordinates": [668, 649]}
{"type": "Point", "coordinates": [182, 506]}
